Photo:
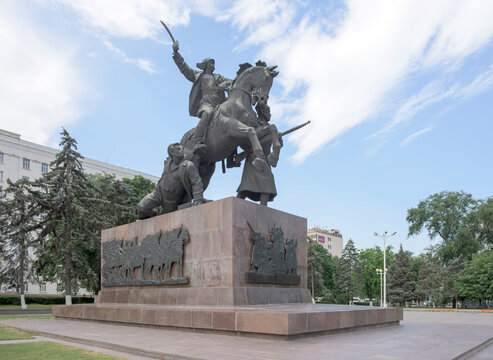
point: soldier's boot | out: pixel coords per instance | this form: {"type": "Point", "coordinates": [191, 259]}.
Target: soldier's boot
{"type": "Point", "coordinates": [241, 195]}
{"type": "Point", "coordinates": [200, 147]}
{"type": "Point", "coordinates": [273, 157]}
{"type": "Point", "coordinates": [260, 162]}
{"type": "Point", "coordinates": [264, 199]}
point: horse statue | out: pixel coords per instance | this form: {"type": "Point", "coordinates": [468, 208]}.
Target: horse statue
{"type": "Point", "coordinates": [234, 124]}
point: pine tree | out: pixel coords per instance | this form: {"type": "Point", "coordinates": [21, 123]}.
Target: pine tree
{"type": "Point", "coordinates": [430, 278]}
{"type": "Point", "coordinates": [63, 200]}
{"type": "Point", "coordinates": [349, 275]}
{"type": "Point", "coordinates": [401, 287]}
{"type": "Point", "coordinates": [16, 225]}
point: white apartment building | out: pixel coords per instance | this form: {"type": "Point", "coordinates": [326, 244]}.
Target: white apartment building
{"type": "Point", "coordinates": [331, 240]}
{"type": "Point", "coordinates": [23, 159]}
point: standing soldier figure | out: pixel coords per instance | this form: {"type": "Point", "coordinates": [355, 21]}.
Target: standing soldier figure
{"type": "Point", "coordinates": [207, 92]}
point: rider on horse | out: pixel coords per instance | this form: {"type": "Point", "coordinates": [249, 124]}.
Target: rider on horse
{"type": "Point", "coordinates": [207, 92]}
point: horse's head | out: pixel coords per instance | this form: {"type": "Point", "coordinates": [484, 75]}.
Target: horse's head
{"type": "Point", "coordinates": [257, 80]}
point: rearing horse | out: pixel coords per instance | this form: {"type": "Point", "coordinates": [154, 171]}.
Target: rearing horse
{"type": "Point", "coordinates": [234, 122]}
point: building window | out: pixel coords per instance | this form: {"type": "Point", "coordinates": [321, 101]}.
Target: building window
{"type": "Point", "coordinates": [44, 168]}
{"type": "Point", "coordinates": [1, 175]}
{"type": "Point", "coordinates": [42, 287]}
{"type": "Point", "coordinates": [26, 286]}
{"type": "Point", "coordinates": [26, 163]}
{"type": "Point", "coordinates": [1, 157]}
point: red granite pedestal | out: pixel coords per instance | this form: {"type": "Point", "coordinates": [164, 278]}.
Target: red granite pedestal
{"type": "Point", "coordinates": [218, 297]}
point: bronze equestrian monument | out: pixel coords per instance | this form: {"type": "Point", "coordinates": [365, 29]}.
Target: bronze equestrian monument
{"type": "Point", "coordinates": [229, 265]}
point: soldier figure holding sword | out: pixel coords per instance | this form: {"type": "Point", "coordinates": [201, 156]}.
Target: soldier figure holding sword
{"type": "Point", "coordinates": [207, 92]}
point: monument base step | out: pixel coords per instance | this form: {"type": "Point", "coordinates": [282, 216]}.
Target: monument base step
{"type": "Point", "coordinates": [279, 320]}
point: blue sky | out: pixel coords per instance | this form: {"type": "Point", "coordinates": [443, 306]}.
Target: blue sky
{"type": "Point", "coordinates": [400, 93]}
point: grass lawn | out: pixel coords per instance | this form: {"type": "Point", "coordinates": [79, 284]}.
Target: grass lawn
{"type": "Point", "coordinates": [14, 317]}
{"type": "Point", "coordinates": [9, 333]}
{"type": "Point", "coordinates": [29, 306]}
{"type": "Point", "coordinates": [49, 350]}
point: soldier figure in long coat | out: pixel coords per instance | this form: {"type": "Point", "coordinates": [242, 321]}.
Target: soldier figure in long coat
{"type": "Point", "coordinates": [207, 92]}
{"type": "Point", "coordinates": [258, 185]}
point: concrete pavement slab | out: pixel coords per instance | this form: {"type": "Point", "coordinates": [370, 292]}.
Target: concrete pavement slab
{"type": "Point", "coordinates": [420, 335]}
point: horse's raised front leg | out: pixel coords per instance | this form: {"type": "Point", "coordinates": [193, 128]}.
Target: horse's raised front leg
{"type": "Point", "coordinates": [273, 157]}
{"type": "Point", "coordinates": [239, 130]}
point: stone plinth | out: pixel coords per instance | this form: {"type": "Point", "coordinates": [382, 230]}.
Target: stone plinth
{"type": "Point", "coordinates": [217, 256]}
{"type": "Point", "coordinates": [283, 321]}
{"type": "Point", "coordinates": [218, 294]}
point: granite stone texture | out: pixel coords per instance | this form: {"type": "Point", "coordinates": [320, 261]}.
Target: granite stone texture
{"type": "Point", "coordinates": [277, 320]}
{"type": "Point", "coordinates": [217, 256]}
{"type": "Point", "coordinates": [218, 297]}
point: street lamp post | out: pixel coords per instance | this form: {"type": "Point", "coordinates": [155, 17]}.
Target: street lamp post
{"type": "Point", "coordinates": [384, 236]}
{"type": "Point", "coordinates": [380, 272]}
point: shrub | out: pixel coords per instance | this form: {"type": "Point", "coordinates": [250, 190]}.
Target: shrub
{"type": "Point", "coordinates": [43, 299]}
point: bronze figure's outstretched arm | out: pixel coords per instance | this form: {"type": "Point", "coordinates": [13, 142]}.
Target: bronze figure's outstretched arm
{"type": "Point", "coordinates": [188, 72]}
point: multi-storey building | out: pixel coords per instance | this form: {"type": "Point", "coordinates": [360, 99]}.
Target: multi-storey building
{"type": "Point", "coordinates": [331, 240]}
{"type": "Point", "coordinates": [24, 159]}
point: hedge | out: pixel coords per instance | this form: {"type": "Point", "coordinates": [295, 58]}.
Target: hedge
{"type": "Point", "coordinates": [45, 300]}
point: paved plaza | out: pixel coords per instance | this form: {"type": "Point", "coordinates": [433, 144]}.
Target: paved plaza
{"type": "Point", "coordinates": [422, 335]}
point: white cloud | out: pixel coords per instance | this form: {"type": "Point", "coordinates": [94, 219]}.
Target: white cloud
{"type": "Point", "coordinates": [464, 27]}
{"type": "Point", "coordinates": [430, 94]}
{"type": "Point", "coordinates": [415, 135]}
{"type": "Point", "coordinates": [346, 74]}
{"type": "Point", "coordinates": [336, 72]}
{"type": "Point", "coordinates": [264, 20]}
{"type": "Point", "coordinates": [40, 87]}
{"type": "Point", "coordinates": [129, 18]}
{"type": "Point", "coordinates": [481, 83]}
{"type": "Point", "coordinates": [143, 64]}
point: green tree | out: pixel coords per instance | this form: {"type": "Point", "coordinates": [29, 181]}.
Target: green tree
{"type": "Point", "coordinates": [370, 260]}
{"type": "Point", "coordinates": [63, 199]}
{"type": "Point", "coordinates": [349, 274]}
{"type": "Point", "coordinates": [484, 219]}
{"type": "Point", "coordinates": [401, 287]}
{"type": "Point", "coordinates": [329, 268]}
{"type": "Point", "coordinates": [139, 187]}
{"type": "Point", "coordinates": [453, 271]}
{"type": "Point", "coordinates": [114, 200]}
{"type": "Point", "coordinates": [113, 204]}
{"type": "Point", "coordinates": [415, 263]}
{"type": "Point", "coordinates": [447, 215]}
{"type": "Point", "coordinates": [16, 224]}
{"type": "Point", "coordinates": [430, 279]}
{"type": "Point", "coordinates": [477, 281]}
{"type": "Point", "coordinates": [316, 269]}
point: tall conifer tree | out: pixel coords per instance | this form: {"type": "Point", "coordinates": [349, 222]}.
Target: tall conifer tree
{"type": "Point", "coordinates": [63, 201]}
{"type": "Point", "coordinates": [401, 287]}
{"type": "Point", "coordinates": [16, 225]}
{"type": "Point", "coordinates": [349, 275]}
